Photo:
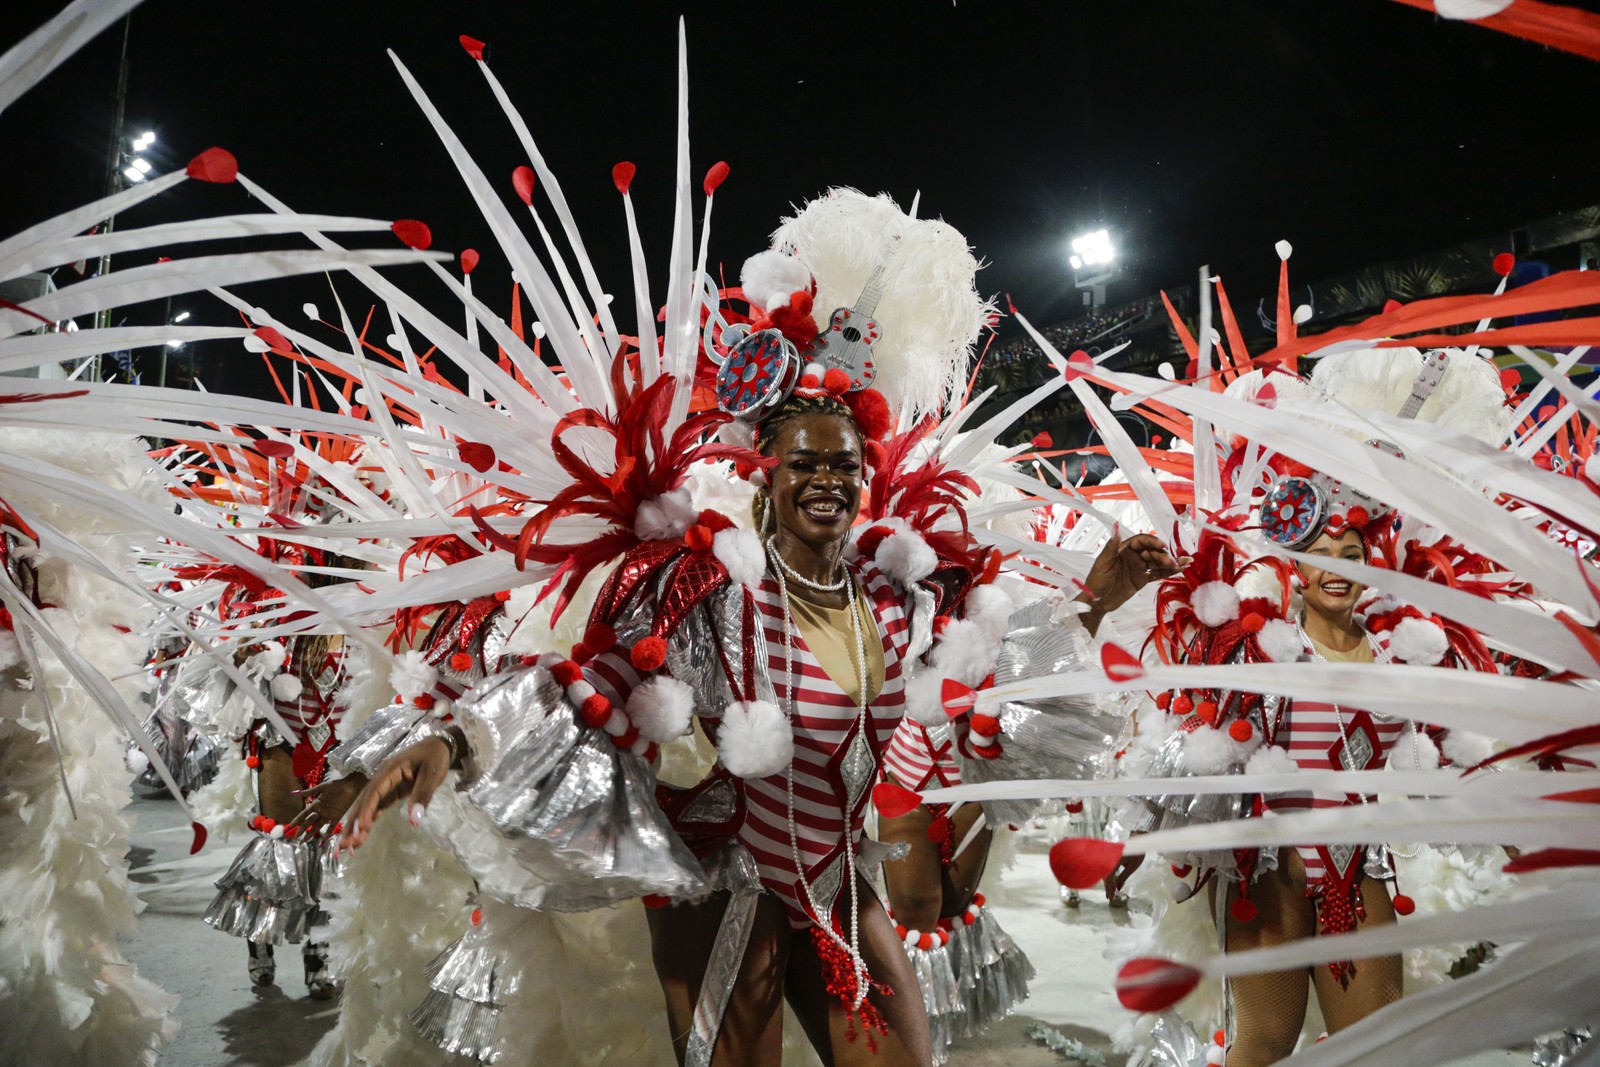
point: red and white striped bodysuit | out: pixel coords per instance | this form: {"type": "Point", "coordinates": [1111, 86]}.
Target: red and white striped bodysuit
{"type": "Point", "coordinates": [833, 772]}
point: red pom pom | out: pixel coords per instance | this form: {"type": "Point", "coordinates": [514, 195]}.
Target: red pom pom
{"type": "Point", "coordinates": [1151, 985]}
{"type": "Point", "coordinates": [412, 233]}
{"type": "Point", "coordinates": [425, 701]}
{"type": "Point", "coordinates": [1082, 862]}
{"type": "Point", "coordinates": [649, 654]}
{"type": "Point", "coordinates": [477, 916]}
{"type": "Point", "coordinates": [252, 762]}
{"type": "Point", "coordinates": [967, 918]}
{"type": "Point", "coordinates": [268, 825]}
{"type": "Point", "coordinates": [715, 521]}
{"type": "Point", "coordinates": [461, 661]}
{"type": "Point", "coordinates": [596, 710]}
{"type": "Point", "coordinates": [698, 538]}
{"type": "Point", "coordinates": [522, 180]}
{"type": "Point", "coordinates": [566, 673]}
{"type": "Point", "coordinates": [871, 412]}
{"type": "Point", "coordinates": [473, 46]}
{"type": "Point", "coordinates": [1243, 911]}
{"type": "Point", "coordinates": [985, 725]}
{"type": "Point", "coordinates": [1252, 623]}
{"type": "Point", "coordinates": [979, 900]}
{"type": "Point", "coordinates": [874, 455]}
{"type": "Point", "coordinates": [213, 165]}
{"type": "Point", "coordinates": [867, 544]}
{"type": "Point", "coordinates": [627, 737]}
{"type": "Point", "coordinates": [715, 177]}
{"type": "Point", "coordinates": [809, 382]}
{"type": "Point", "coordinates": [1074, 807]}
{"type": "Point", "coordinates": [622, 176]}
{"type": "Point", "coordinates": [836, 381]}
{"type": "Point", "coordinates": [582, 653]}
{"type": "Point", "coordinates": [939, 623]}
{"type": "Point", "coordinates": [900, 931]}
{"type": "Point", "coordinates": [925, 942]}
{"type": "Point", "coordinates": [1207, 710]}
{"type": "Point", "coordinates": [1357, 516]}
{"type": "Point", "coordinates": [893, 799]}
{"type": "Point", "coordinates": [600, 637]}
{"type": "Point", "coordinates": [1164, 700]}
{"type": "Point", "coordinates": [469, 260]}
{"type": "Point", "coordinates": [1241, 731]}
{"type": "Point", "coordinates": [1505, 263]}
{"type": "Point", "coordinates": [1220, 1037]}
{"type": "Point", "coordinates": [1404, 905]}
{"type": "Point", "coordinates": [1183, 705]}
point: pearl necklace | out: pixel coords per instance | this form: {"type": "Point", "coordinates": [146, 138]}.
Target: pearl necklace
{"type": "Point", "coordinates": [801, 580]}
{"type": "Point", "coordinates": [852, 947]}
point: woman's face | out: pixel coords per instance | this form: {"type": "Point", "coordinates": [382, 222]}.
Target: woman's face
{"type": "Point", "coordinates": [815, 489]}
{"type": "Point", "coordinates": [1325, 592]}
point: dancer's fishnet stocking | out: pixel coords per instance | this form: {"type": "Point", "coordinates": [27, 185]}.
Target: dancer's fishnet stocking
{"type": "Point", "coordinates": [1269, 1009]}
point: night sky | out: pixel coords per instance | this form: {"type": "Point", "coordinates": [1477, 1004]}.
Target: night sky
{"type": "Point", "coordinates": [1197, 132]}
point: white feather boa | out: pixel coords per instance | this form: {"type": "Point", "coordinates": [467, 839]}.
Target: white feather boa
{"type": "Point", "coordinates": [70, 996]}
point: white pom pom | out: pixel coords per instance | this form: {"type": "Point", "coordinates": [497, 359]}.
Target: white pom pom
{"type": "Point", "coordinates": [662, 709]}
{"type": "Point", "coordinates": [740, 552]}
{"type": "Point", "coordinates": [411, 675]}
{"type": "Point", "coordinates": [768, 279]}
{"type": "Point", "coordinates": [1465, 749]}
{"type": "Point", "coordinates": [665, 516]}
{"type": "Point", "coordinates": [277, 832]}
{"type": "Point", "coordinates": [1269, 759]}
{"type": "Point", "coordinates": [136, 761]}
{"type": "Point", "coordinates": [905, 557]}
{"type": "Point", "coordinates": [10, 650]}
{"type": "Point", "coordinates": [925, 699]}
{"type": "Point", "coordinates": [1208, 751]}
{"type": "Point", "coordinates": [990, 607]}
{"type": "Point", "coordinates": [287, 687]}
{"type": "Point", "coordinates": [965, 651]}
{"type": "Point", "coordinates": [1280, 641]}
{"type": "Point", "coordinates": [271, 657]}
{"type": "Point", "coordinates": [1284, 249]}
{"type": "Point", "coordinates": [1418, 641]}
{"type": "Point", "coordinates": [1421, 754]}
{"type": "Point", "coordinates": [1215, 1056]}
{"type": "Point", "coordinates": [755, 739]}
{"type": "Point", "coordinates": [1215, 603]}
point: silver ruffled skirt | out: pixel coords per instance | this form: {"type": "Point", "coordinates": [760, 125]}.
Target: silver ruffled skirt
{"type": "Point", "coordinates": [273, 890]}
{"type": "Point", "coordinates": [468, 984]}
{"type": "Point", "coordinates": [972, 982]}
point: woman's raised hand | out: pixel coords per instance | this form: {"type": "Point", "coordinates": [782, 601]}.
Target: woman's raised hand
{"type": "Point", "coordinates": [1122, 569]}
{"type": "Point", "coordinates": [415, 771]}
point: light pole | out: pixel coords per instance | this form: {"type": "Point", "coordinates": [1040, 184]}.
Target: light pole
{"type": "Point", "coordinates": [1092, 258]}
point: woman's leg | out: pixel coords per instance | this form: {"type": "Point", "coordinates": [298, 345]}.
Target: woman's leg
{"type": "Point", "coordinates": [1376, 982]}
{"type": "Point", "coordinates": [916, 882]}
{"type": "Point", "coordinates": [1270, 1008]}
{"type": "Point", "coordinates": [276, 783]}
{"type": "Point", "coordinates": [840, 1043]}
{"type": "Point", "coordinates": [960, 879]}
{"type": "Point", "coordinates": [682, 938]}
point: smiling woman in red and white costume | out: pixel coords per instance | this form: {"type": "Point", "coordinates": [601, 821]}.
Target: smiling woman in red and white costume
{"type": "Point", "coordinates": [795, 649]}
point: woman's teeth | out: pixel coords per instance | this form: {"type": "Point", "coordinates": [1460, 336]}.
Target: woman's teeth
{"type": "Point", "coordinates": [823, 509]}
{"type": "Point", "coordinates": [1336, 588]}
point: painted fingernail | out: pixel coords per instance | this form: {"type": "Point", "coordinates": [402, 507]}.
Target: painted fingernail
{"type": "Point", "coordinates": [416, 814]}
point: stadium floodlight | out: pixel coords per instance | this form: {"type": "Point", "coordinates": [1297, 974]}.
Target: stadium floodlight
{"type": "Point", "coordinates": [1092, 249]}
{"type": "Point", "coordinates": [133, 174]}
{"type": "Point", "coordinates": [144, 140]}
{"type": "Point", "coordinates": [180, 316]}
{"type": "Point", "coordinates": [141, 164]}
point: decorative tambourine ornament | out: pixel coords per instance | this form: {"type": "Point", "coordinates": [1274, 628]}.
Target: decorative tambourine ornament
{"type": "Point", "coordinates": [1294, 512]}
{"type": "Point", "coordinates": [759, 373]}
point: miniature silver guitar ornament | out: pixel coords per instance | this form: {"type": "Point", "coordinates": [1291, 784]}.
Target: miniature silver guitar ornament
{"type": "Point", "coordinates": [851, 332]}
